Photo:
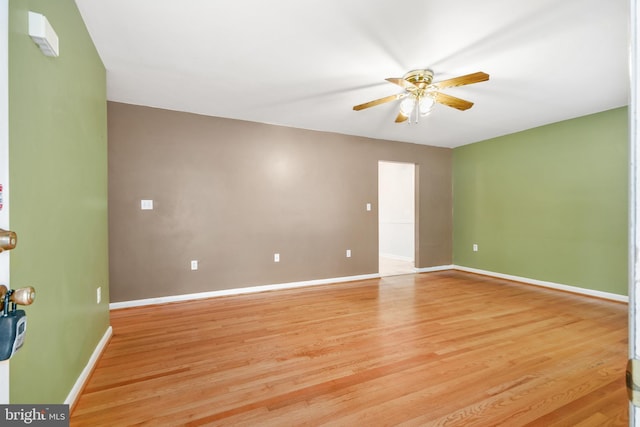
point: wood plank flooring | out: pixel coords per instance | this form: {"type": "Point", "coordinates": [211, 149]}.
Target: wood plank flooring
{"type": "Point", "coordinates": [394, 267]}
{"type": "Point", "coordinates": [432, 349]}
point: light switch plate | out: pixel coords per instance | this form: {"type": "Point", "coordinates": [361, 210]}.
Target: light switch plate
{"type": "Point", "coordinates": [146, 205]}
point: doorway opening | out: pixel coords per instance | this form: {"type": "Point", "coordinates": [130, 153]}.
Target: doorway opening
{"type": "Point", "coordinates": [396, 218]}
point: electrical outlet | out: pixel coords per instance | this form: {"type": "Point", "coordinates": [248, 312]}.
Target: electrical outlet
{"type": "Point", "coordinates": [146, 205]}
{"type": "Point", "coordinates": [348, 253]}
{"type": "Point", "coordinates": [276, 257]}
{"type": "Point", "coordinates": [475, 247]}
{"type": "Point", "coordinates": [194, 264]}
{"type": "Point", "coordinates": [98, 294]}
{"type": "Point", "coordinates": [368, 206]}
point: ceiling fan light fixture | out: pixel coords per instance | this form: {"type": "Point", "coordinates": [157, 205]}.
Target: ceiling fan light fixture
{"type": "Point", "coordinates": [426, 105]}
{"type": "Point", "coordinates": [408, 105]}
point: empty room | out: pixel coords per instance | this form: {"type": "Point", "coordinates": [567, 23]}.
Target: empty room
{"type": "Point", "coordinates": [308, 213]}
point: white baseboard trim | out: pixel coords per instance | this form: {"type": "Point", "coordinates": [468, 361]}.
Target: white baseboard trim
{"type": "Point", "coordinates": [552, 285]}
{"type": "Point", "coordinates": [237, 291]}
{"type": "Point", "coordinates": [432, 269]}
{"type": "Point", "coordinates": [290, 285]}
{"type": "Point", "coordinates": [86, 372]}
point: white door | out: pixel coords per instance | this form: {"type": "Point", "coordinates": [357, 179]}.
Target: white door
{"type": "Point", "coordinates": [4, 167]}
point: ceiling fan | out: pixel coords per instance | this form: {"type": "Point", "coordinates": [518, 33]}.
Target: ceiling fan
{"type": "Point", "coordinates": [420, 93]}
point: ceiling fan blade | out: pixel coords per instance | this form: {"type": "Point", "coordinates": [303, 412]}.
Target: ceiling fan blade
{"type": "Point", "coordinates": [452, 101]}
{"type": "Point", "coordinates": [463, 80]}
{"type": "Point", "coordinates": [379, 101]}
{"type": "Point", "coordinates": [401, 117]}
{"type": "Point", "coordinates": [402, 83]}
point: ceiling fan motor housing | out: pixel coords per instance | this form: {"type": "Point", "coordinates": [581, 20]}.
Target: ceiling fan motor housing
{"type": "Point", "coordinates": [420, 78]}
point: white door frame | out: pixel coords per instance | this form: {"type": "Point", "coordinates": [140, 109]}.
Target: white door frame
{"type": "Point", "coordinates": [634, 198]}
{"type": "Point", "coordinates": [4, 167]}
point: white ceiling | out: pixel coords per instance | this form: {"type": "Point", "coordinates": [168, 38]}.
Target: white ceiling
{"type": "Point", "coordinates": [305, 63]}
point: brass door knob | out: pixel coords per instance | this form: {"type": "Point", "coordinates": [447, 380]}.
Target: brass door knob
{"type": "Point", "coordinates": [23, 296]}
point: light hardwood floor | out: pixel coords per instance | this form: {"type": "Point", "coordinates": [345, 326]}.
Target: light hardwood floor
{"type": "Point", "coordinates": [394, 267]}
{"type": "Point", "coordinates": [432, 349]}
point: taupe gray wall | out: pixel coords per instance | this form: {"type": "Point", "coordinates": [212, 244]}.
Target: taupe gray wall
{"type": "Point", "coordinates": [230, 194]}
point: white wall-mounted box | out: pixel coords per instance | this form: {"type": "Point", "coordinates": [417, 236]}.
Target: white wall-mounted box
{"type": "Point", "coordinates": [43, 35]}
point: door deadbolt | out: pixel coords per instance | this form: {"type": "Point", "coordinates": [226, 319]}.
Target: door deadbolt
{"type": "Point", "coordinates": [8, 240]}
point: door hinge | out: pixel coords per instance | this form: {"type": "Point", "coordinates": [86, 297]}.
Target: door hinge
{"type": "Point", "coordinates": [633, 381]}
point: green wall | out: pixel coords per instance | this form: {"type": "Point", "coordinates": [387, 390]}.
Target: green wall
{"type": "Point", "coordinates": [58, 206]}
{"type": "Point", "coordinates": [548, 203]}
